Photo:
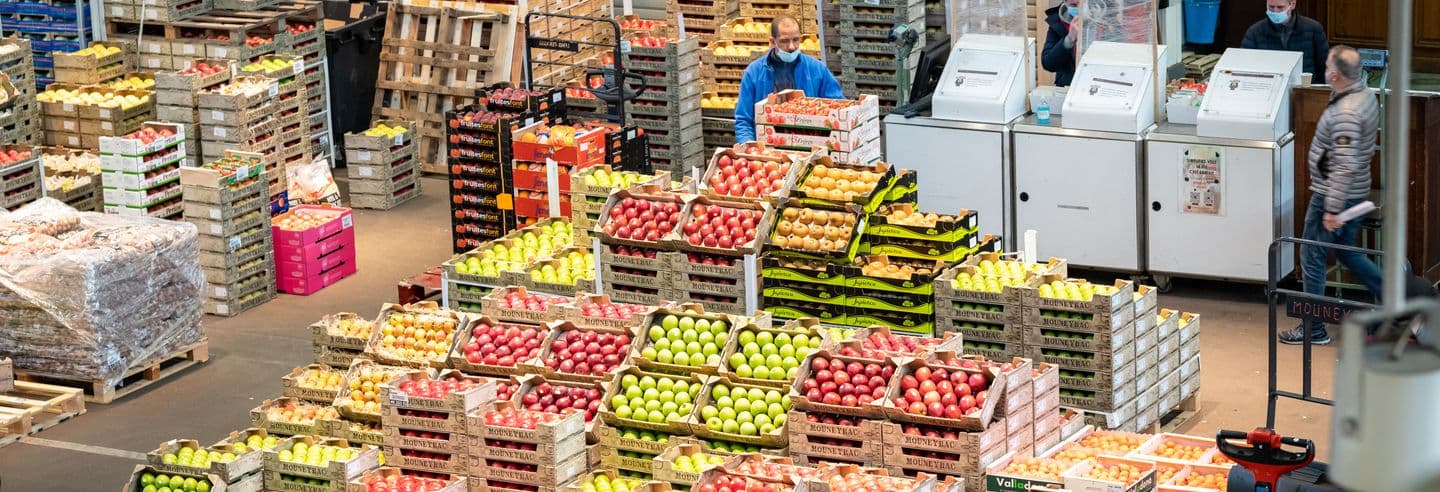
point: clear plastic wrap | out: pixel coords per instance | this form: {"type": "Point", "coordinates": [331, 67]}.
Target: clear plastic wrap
{"type": "Point", "coordinates": [1119, 21]}
{"type": "Point", "coordinates": [994, 17]}
{"type": "Point", "coordinates": [87, 296]}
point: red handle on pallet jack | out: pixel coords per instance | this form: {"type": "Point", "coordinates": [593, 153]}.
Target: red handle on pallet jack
{"type": "Point", "coordinates": [1262, 453]}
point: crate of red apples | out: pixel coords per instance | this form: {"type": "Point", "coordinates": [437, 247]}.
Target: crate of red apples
{"type": "Point", "coordinates": [749, 174]}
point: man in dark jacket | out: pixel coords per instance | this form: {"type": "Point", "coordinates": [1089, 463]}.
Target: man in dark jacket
{"type": "Point", "coordinates": [1285, 30]}
{"type": "Point", "coordinates": [1059, 53]}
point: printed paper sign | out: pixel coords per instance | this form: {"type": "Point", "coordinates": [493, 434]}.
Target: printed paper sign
{"type": "Point", "coordinates": [1200, 186]}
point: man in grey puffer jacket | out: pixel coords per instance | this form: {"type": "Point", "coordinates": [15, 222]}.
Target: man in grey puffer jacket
{"type": "Point", "coordinates": [1339, 179]}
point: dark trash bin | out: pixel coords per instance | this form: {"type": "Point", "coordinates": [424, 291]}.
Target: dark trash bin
{"type": "Point", "coordinates": [352, 51]}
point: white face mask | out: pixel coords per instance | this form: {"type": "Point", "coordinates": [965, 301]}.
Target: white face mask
{"type": "Point", "coordinates": [787, 56]}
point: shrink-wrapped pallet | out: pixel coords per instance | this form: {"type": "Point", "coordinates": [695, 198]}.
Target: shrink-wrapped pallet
{"type": "Point", "coordinates": [86, 296]}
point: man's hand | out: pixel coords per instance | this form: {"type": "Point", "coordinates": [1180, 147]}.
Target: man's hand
{"type": "Point", "coordinates": [1332, 222]}
{"type": "Point", "coordinates": [1074, 33]}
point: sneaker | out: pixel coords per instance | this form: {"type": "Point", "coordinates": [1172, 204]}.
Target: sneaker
{"type": "Point", "coordinates": [1296, 336]}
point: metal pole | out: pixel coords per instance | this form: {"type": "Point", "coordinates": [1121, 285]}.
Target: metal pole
{"type": "Point", "coordinates": [1397, 142]}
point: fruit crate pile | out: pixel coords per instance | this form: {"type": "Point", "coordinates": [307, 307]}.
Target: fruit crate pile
{"type": "Point", "coordinates": [637, 255]}
{"type": "Point", "coordinates": [528, 448]}
{"type": "Point", "coordinates": [717, 122]}
{"type": "Point", "coordinates": [226, 201]}
{"type": "Point", "coordinates": [77, 116]}
{"type": "Point", "coordinates": [245, 115]}
{"type": "Point", "coordinates": [314, 248]}
{"type": "Point", "coordinates": [901, 230]}
{"type": "Point", "coordinates": [140, 171]}
{"type": "Point", "coordinates": [724, 62]}
{"type": "Point", "coordinates": [866, 59]}
{"type": "Point", "coordinates": [338, 339]}
{"type": "Point", "coordinates": [591, 187]}
{"type": "Point", "coordinates": [314, 462]}
{"type": "Point", "coordinates": [73, 177]}
{"type": "Point", "coordinates": [1094, 459]}
{"type": "Point", "coordinates": [177, 96]}
{"type": "Point", "coordinates": [96, 64]}
{"type": "Point", "coordinates": [381, 164]}
{"type": "Point", "coordinates": [534, 147]}
{"type": "Point", "coordinates": [425, 423]}
{"type": "Point", "coordinates": [848, 129]}
{"type": "Point", "coordinates": [290, 107]}
{"type": "Point", "coordinates": [669, 109]}
{"type": "Point", "coordinates": [20, 123]}
{"type": "Point", "coordinates": [519, 259]}
{"type": "Point", "coordinates": [981, 300]}
{"type": "Point", "coordinates": [20, 181]}
{"type": "Point", "coordinates": [233, 467]}
{"type": "Point", "coordinates": [715, 238]}
{"type": "Point", "coordinates": [480, 157]}
{"type": "Point", "coordinates": [703, 18]}
{"type": "Point", "coordinates": [160, 11]}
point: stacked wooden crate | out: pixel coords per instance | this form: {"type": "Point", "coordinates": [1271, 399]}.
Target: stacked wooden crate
{"type": "Point", "coordinates": [20, 122]}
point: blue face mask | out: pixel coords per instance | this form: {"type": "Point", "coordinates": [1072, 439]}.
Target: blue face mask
{"type": "Point", "coordinates": [787, 56]}
{"type": "Point", "coordinates": [1073, 10]}
{"type": "Point", "coordinates": [1278, 17]}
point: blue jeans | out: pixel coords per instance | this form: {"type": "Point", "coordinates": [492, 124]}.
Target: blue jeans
{"type": "Point", "coordinates": [1313, 260]}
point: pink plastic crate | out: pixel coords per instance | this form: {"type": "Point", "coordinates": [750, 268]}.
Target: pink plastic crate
{"type": "Point", "coordinates": [311, 284]}
{"type": "Point", "coordinates": [341, 220]}
{"type": "Point", "coordinates": [345, 239]}
{"type": "Point", "coordinates": [307, 266]}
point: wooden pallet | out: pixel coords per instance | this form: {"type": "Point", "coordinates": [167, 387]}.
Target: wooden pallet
{"type": "Point", "coordinates": [1173, 420]}
{"type": "Point", "coordinates": [434, 58]}
{"type": "Point", "coordinates": [33, 407]}
{"type": "Point", "coordinates": [137, 378]}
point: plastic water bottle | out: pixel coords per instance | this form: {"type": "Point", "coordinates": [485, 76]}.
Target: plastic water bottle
{"type": "Point", "coordinates": [1042, 113]}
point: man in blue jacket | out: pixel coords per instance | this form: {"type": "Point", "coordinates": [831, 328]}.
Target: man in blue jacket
{"type": "Point", "coordinates": [782, 68]}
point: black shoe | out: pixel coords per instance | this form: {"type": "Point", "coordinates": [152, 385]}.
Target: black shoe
{"type": "Point", "coordinates": [1296, 336]}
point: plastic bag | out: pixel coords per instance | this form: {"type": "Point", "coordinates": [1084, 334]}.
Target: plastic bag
{"type": "Point", "coordinates": [312, 184]}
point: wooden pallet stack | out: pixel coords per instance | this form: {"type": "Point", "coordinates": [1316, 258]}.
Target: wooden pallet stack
{"type": "Point", "coordinates": [20, 120]}
{"type": "Point", "coordinates": [226, 200]}
{"type": "Point", "coordinates": [434, 59]}
{"type": "Point", "coordinates": [33, 407]}
{"type": "Point", "coordinates": [20, 181]}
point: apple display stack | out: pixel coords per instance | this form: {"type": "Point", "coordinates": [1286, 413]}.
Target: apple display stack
{"type": "Point", "coordinates": [307, 41]}
{"type": "Point", "coordinates": [526, 447]}
{"type": "Point", "coordinates": [98, 63]}
{"type": "Point", "coordinates": [245, 115]}
{"type": "Point", "coordinates": [1088, 330]}
{"type": "Point", "coordinates": [669, 109]}
{"type": "Point", "coordinates": [226, 201]}
{"type": "Point", "coordinates": [22, 123]}
{"type": "Point", "coordinates": [20, 169]}
{"type": "Point", "coordinates": [289, 108]}
{"type": "Point", "coordinates": [337, 339]}
{"type": "Point", "coordinates": [141, 171]}
{"type": "Point", "coordinates": [314, 248]}
{"type": "Point", "coordinates": [381, 164]}
{"type": "Point", "coordinates": [631, 435]}
{"type": "Point", "coordinates": [825, 425]}
{"type": "Point", "coordinates": [317, 463]}
{"type": "Point", "coordinates": [236, 468]}
{"type": "Point", "coordinates": [941, 438]}
{"type": "Point", "coordinates": [425, 423]}
{"type": "Point", "coordinates": [591, 187]}
{"type": "Point", "coordinates": [637, 253]}
{"type": "Point", "coordinates": [177, 94]}
{"type": "Point", "coordinates": [715, 237]}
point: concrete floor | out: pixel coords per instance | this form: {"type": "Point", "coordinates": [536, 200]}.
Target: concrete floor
{"type": "Point", "coordinates": [249, 353]}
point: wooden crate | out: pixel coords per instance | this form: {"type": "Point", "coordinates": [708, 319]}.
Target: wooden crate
{"type": "Point", "coordinates": [434, 59]}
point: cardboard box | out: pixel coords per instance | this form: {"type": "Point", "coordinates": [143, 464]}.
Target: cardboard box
{"type": "Point", "coordinates": [1076, 481]}
{"type": "Point", "coordinates": [1189, 326]}
{"type": "Point", "coordinates": [311, 283]}
{"type": "Point", "coordinates": [340, 218]}
{"type": "Point", "coordinates": [770, 111]}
